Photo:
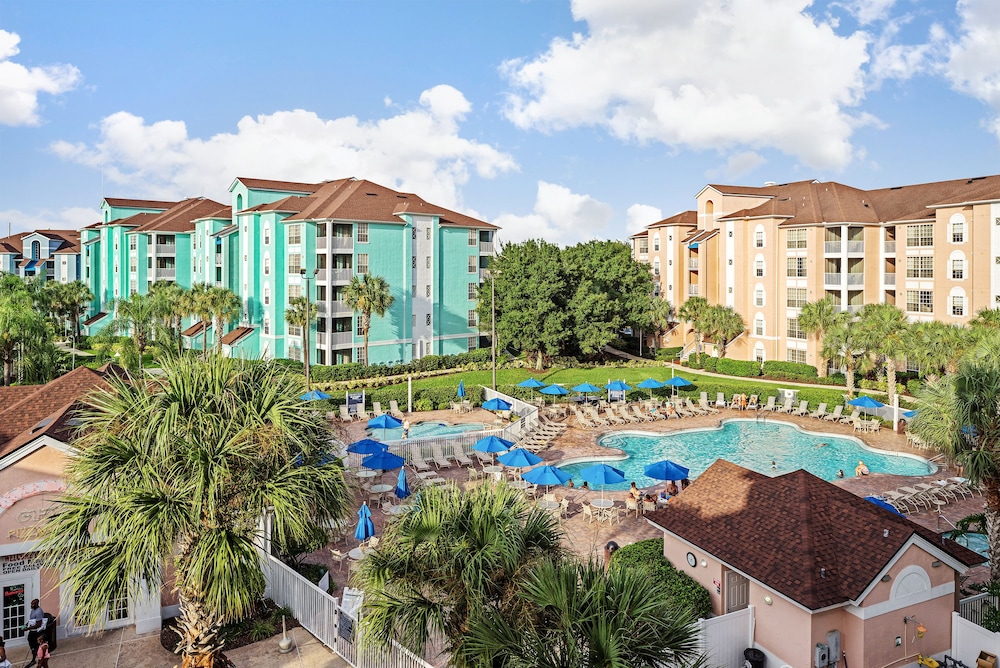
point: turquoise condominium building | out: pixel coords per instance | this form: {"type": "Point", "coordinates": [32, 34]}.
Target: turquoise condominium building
{"type": "Point", "coordinates": [278, 239]}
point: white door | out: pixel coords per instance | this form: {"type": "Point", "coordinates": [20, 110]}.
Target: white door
{"type": "Point", "coordinates": [737, 592]}
{"type": "Point", "coordinates": [15, 593]}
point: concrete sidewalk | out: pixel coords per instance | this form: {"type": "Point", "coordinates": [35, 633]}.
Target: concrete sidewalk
{"type": "Point", "coordinates": [122, 648]}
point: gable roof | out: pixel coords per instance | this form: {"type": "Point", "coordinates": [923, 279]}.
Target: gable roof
{"type": "Point", "coordinates": [235, 335]}
{"type": "Point", "coordinates": [70, 241]}
{"type": "Point", "coordinates": [178, 218]}
{"type": "Point", "coordinates": [807, 539]}
{"type": "Point", "coordinates": [123, 203]}
{"type": "Point", "coordinates": [284, 186]}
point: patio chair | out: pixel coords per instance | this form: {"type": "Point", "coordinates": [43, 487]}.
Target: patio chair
{"type": "Point", "coordinates": [337, 557]}
{"type": "Point", "coordinates": [394, 409]}
{"type": "Point", "coordinates": [898, 501]}
{"type": "Point", "coordinates": [440, 460]}
{"type": "Point", "coordinates": [625, 415]}
{"type": "Point", "coordinates": [696, 410]}
{"type": "Point", "coordinates": [959, 485]}
{"type": "Point", "coordinates": [936, 491]}
{"type": "Point", "coordinates": [417, 459]}
{"type": "Point", "coordinates": [564, 508]}
{"type": "Point", "coordinates": [612, 515]}
{"type": "Point", "coordinates": [770, 406]}
{"type": "Point", "coordinates": [460, 456]}
{"type": "Point", "coordinates": [681, 410]}
{"type": "Point", "coordinates": [612, 417]}
{"type": "Point", "coordinates": [754, 403]}
{"type": "Point", "coordinates": [720, 400]}
{"type": "Point", "coordinates": [363, 414]}
{"type": "Point", "coordinates": [345, 415]}
{"type": "Point", "coordinates": [645, 417]}
{"type": "Point", "coordinates": [377, 408]}
{"type": "Point", "coordinates": [788, 406]}
{"type": "Point", "coordinates": [648, 506]}
{"type": "Point", "coordinates": [819, 412]}
{"type": "Point", "coordinates": [803, 409]}
{"type": "Point", "coordinates": [592, 415]}
{"type": "Point", "coordinates": [855, 414]}
{"type": "Point", "coordinates": [835, 415]}
{"type": "Point", "coordinates": [631, 505]}
{"type": "Point", "coordinates": [709, 408]}
{"type": "Point", "coordinates": [916, 496]}
{"type": "Point", "coordinates": [588, 512]}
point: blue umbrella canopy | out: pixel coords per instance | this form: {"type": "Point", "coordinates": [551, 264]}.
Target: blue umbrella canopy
{"type": "Point", "coordinates": [556, 390]}
{"type": "Point", "coordinates": [366, 446]}
{"type": "Point", "coordinates": [519, 458]}
{"type": "Point", "coordinates": [496, 404]}
{"type": "Point", "coordinates": [651, 384]}
{"type": "Point", "coordinates": [366, 528]}
{"type": "Point", "coordinates": [402, 487]}
{"type": "Point", "coordinates": [546, 475]}
{"type": "Point", "coordinates": [461, 389]}
{"type": "Point", "coordinates": [315, 395]}
{"type": "Point", "coordinates": [677, 381]}
{"type": "Point", "coordinates": [865, 401]}
{"type": "Point", "coordinates": [666, 470]}
{"type": "Point", "coordinates": [586, 388]}
{"type": "Point", "coordinates": [532, 383]}
{"type": "Point", "coordinates": [602, 474]}
{"type": "Point", "coordinates": [617, 386]}
{"type": "Point", "coordinates": [492, 444]}
{"type": "Point", "coordinates": [882, 503]}
{"type": "Point", "coordinates": [383, 461]}
{"type": "Point", "coordinates": [384, 421]}
{"type": "Point", "coordinates": [909, 415]}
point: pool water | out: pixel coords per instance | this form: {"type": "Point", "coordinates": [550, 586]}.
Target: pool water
{"type": "Point", "coordinates": [753, 445]}
{"type": "Point", "coordinates": [976, 542]}
{"type": "Point", "coordinates": [426, 429]}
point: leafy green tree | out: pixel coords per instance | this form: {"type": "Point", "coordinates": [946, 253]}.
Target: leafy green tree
{"type": "Point", "coordinates": [22, 327]}
{"type": "Point", "coordinates": [179, 473]}
{"type": "Point", "coordinates": [960, 415]}
{"type": "Point", "coordinates": [367, 295]}
{"type": "Point", "coordinates": [815, 319]}
{"type": "Point", "coordinates": [440, 564]}
{"type": "Point", "coordinates": [225, 306]}
{"type": "Point", "coordinates": [133, 317]}
{"type": "Point", "coordinates": [884, 333]}
{"type": "Point", "coordinates": [843, 341]}
{"type": "Point", "coordinates": [68, 302]}
{"type": "Point", "coordinates": [722, 324]}
{"type": "Point", "coordinates": [692, 312]}
{"type": "Point", "coordinates": [936, 347]}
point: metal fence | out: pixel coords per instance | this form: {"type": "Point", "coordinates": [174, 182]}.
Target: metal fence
{"type": "Point", "coordinates": [974, 607]}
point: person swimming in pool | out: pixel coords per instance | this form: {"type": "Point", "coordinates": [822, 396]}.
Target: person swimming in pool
{"type": "Point", "coordinates": [861, 469]}
{"type": "Point", "coordinates": [822, 445]}
{"type": "Point", "coordinates": [840, 473]}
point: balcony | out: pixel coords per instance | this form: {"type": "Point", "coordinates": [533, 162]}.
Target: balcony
{"type": "Point", "coordinates": [339, 275]}
{"type": "Point", "coordinates": [692, 291]}
{"type": "Point", "coordinates": [321, 243]}
{"type": "Point", "coordinates": [335, 339]}
{"type": "Point", "coordinates": [335, 309]}
{"type": "Point", "coordinates": [889, 247]}
{"type": "Point", "coordinates": [166, 249]}
{"type": "Point", "coordinates": [855, 279]}
{"type": "Point", "coordinates": [849, 308]}
{"type": "Point", "coordinates": [833, 279]}
{"type": "Point", "coordinates": [889, 279]}
{"type": "Point", "coordinates": [342, 243]}
{"type": "Point", "coordinates": [165, 274]}
{"type": "Point", "coordinates": [483, 274]}
{"type": "Point", "coordinates": [693, 264]}
{"type": "Point", "coordinates": [832, 246]}
{"type": "Point", "coordinates": [486, 248]}
{"type": "Point", "coordinates": [855, 246]}
{"type": "Point", "coordinates": [218, 259]}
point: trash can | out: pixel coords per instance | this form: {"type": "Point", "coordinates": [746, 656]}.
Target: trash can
{"type": "Point", "coordinates": [754, 658]}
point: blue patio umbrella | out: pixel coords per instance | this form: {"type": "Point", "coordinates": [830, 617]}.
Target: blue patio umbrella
{"type": "Point", "coordinates": [531, 383]}
{"type": "Point", "coordinates": [496, 404]}
{"type": "Point", "coordinates": [666, 470]}
{"type": "Point", "coordinates": [865, 402]}
{"type": "Point", "coordinates": [677, 381]}
{"type": "Point", "coordinates": [586, 388]}
{"type": "Point", "coordinates": [402, 487]}
{"type": "Point", "coordinates": [383, 422]}
{"type": "Point", "coordinates": [366, 446]}
{"type": "Point", "coordinates": [366, 528]}
{"type": "Point", "coordinates": [461, 389]}
{"type": "Point", "coordinates": [315, 395]}
{"type": "Point", "coordinates": [492, 444]}
{"type": "Point", "coordinates": [882, 503]}
{"type": "Point", "coordinates": [519, 458]}
{"type": "Point", "coordinates": [555, 390]}
{"type": "Point", "coordinates": [618, 386]}
{"type": "Point", "coordinates": [909, 415]}
{"type": "Point", "coordinates": [602, 474]}
{"type": "Point", "coordinates": [383, 461]}
{"type": "Point", "coordinates": [546, 475]}
{"type": "Point", "coordinates": [651, 384]}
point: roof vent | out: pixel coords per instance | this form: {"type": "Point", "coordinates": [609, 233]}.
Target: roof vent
{"type": "Point", "coordinates": [770, 183]}
{"type": "Point", "coordinates": [822, 572]}
{"type": "Point", "coordinates": [885, 533]}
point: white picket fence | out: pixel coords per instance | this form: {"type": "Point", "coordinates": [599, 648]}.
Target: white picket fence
{"type": "Point", "coordinates": [321, 615]}
{"type": "Point", "coordinates": [969, 638]}
{"type": "Point", "coordinates": [724, 638]}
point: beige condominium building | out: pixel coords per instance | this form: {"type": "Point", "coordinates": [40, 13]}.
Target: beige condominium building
{"type": "Point", "coordinates": [933, 249]}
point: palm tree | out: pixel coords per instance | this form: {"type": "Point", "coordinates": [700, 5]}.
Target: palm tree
{"type": "Point", "coordinates": [843, 341]}
{"type": "Point", "coordinates": [133, 317]}
{"type": "Point", "coordinates": [199, 304]}
{"type": "Point", "coordinates": [455, 553]}
{"type": "Point", "coordinates": [960, 415]}
{"type": "Point", "coordinates": [175, 475]}
{"type": "Point", "coordinates": [576, 615]}
{"type": "Point", "coordinates": [883, 331]}
{"type": "Point", "coordinates": [722, 324]}
{"type": "Point", "coordinates": [366, 295]}
{"type": "Point", "coordinates": [297, 315]}
{"type": "Point", "coordinates": [816, 318]}
{"type": "Point", "coordinates": [936, 347]}
{"type": "Point", "coordinates": [172, 302]}
{"type": "Point", "coordinates": [661, 317]}
{"type": "Point", "coordinates": [986, 318]}
{"type": "Point", "coordinates": [691, 312]}
{"type": "Point", "coordinates": [22, 329]}
{"type": "Point", "coordinates": [225, 306]}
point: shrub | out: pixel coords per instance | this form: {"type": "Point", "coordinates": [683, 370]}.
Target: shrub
{"type": "Point", "coordinates": [261, 630]}
{"type": "Point", "coordinates": [741, 368]}
{"type": "Point", "coordinates": [694, 361]}
{"type": "Point", "coordinates": [709, 363]}
{"type": "Point", "coordinates": [668, 354]}
{"type": "Point", "coordinates": [836, 379]}
{"type": "Point", "coordinates": [777, 369]}
{"type": "Point", "coordinates": [914, 386]}
{"type": "Point", "coordinates": [648, 555]}
{"type": "Point", "coordinates": [423, 404]}
{"type": "Point", "coordinates": [866, 384]}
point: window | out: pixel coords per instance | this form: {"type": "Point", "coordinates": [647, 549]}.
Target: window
{"type": "Point", "coordinates": [149, 263]}
{"type": "Point", "coordinates": [294, 291]}
{"type": "Point", "coordinates": [473, 290]}
{"type": "Point", "coordinates": [796, 297]}
{"type": "Point", "coordinates": [920, 301]}
{"type": "Point", "coordinates": [267, 295]}
{"type": "Point", "coordinates": [428, 231]}
{"type": "Point", "coordinates": [473, 263]}
{"type": "Point", "coordinates": [958, 232]}
{"type": "Point", "coordinates": [758, 326]}
{"type": "Point", "coordinates": [473, 319]}
{"type": "Point", "coordinates": [473, 238]}
{"type": "Point", "coordinates": [919, 235]}
{"type": "Point", "coordinates": [294, 234]}
{"type": "Point", "coordinates": [321, 293]}
{"type": "Point", "coordinates": [656, 242]}
{"type": "Point", "coordinates": [362, 233]}
{"type": "Point", "coordinates": [796, 239]}
{"type": "Point", "coordinates": [413, 320]}
{"type": "Point", "coordinates": [267, 265]}
{"type": "Point", "coordinates": [958, 269]}
{"type": "Point", "coordinates": [294, 263]}
{"type": "Point", "coordinates": [656, 266]}
{"type": "Point", "coordinates": [321, 230]}
{"type": "Point", "coordinates": [794, 330]}
{"type": "Point", "coordinates": [321, 260]}
{"type": "Point", "coordinates": [758, 238]}
{"type": "Point", "coordinates": [267, 233]}
{"type": "Point", "coordinates": [362, 263]}
{"type": "Point", "coordinates": [796, 267]}
{"type": "Point", "coordinates": [920, 267]}
{"type": "Point", "coordinates": [267, 324]}
{"type": "Point", "coordinates": [758, 296]}
{"type": "Point", "coordinates": [758, 267]}
{"type": "Point", "coordinates": [359, 355]}
{"type": "Point", "coordinates": [472, 343]}
{"type": "Point", "coordinates": [958, 305]}
{"type": "Point", "coordinates": [294, 330]}
{"type": "Point", "coordinates": [295, 353]}
{"type": "Point", "coordinates": [795, 355]}
{"type": "Point", "coordinates": [427, 291]}
{"type": "Point", "coordinates": [643, 246]}
{"type": "Point", "coordinates": [133, 244]}
{"type": "Point", "coordinates": [427, 262]}
{"type": "Point", "coordinates": [758, 353]}
{"type": "Point", "coordinates": [427, 319]}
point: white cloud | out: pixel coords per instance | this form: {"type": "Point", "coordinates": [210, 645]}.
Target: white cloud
{"type": "Point", "coordinates": [869, 11]}
{"type": "Point", "coordinates": [419, 150]}
{"type": "Point", "coordinates": [20, 85]}
{"type": "Point", "coordinates": [639, 216]}
{"type": "Point", "coordinates": [892, 60]}
{"type": "Point", "coordinates": [559, 216]}
{"type": "Point", "coordinates": [65, 219]}
{"type": "Point", "coordinates": [974, 64]}
{"type": "Point", "coordinates": [726, 75]}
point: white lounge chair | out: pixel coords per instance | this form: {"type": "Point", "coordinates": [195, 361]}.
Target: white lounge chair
{"type": "Point", "coordinates": [720, 400]}
{"type": "Point", "coordinates": [377, 408]}
{"type": "Point", "coordinates": [788, 406]}
{"type": "Point", "coordinates": [394, 409]}
{"type": "Point", "coordinates": [460, 456]}
{"type": "Point", "coordinates": [837, 413]}
{"type": "Point", "coordinates": [819, 412]}
{"type": "Point", "coordinates": [440, 460]}
{"type": "Point", "coordinates": [707, 406]}
{"type": "Point", "coordinates": [770, 406]}
{"type": "Point", "coordinates": [803, 408]}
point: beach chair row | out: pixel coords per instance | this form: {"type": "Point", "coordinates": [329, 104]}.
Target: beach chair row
{"type": "Point", "coordinates": [345, 414]}
{"type": "Point", "coordinates": [930, 495]}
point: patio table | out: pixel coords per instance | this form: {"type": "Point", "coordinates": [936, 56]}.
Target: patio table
{"type": "Point", "coordinates": [400, 509]}
{"type": "Point", "coordinates": [520, 484]}
{"type": "Point", "coordinates": [603, 504]}
{"type": "Point", "coordinates": [356, 554]}
{"type": "Point", "coordinates": [547, 505]}
{"type": "Point", "coordinates": [366, 473]}
{"type": "Point", "coordinates": [381, 488]}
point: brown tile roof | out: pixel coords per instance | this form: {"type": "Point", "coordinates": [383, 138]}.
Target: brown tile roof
{"type": "Point", "coordinates": [70, 239]}
{"type": "Point", "coordinates": [226, 230]}
{"type": "Point", "coordinates": [290, 204]}
{"type": "Point", "coordinates": [179, 218]}
{"type": "Point", "coordinates": [196, 329]}
{"type": "Point", "coordinates": [224, 213]}
{"type": "Point", "coordinates": [94, 319]}
{"type": "Point", "coordinates": [285, 186]}
{"type": "Point", "coordinates": [762, 191]}
{"type": "Point", "coordinates": [782, 531]}
{"type": "Point", "coordinates": [235, 335]}
{"type": "Point", "coordinates": [682, 218]}
{"type": "Point", "coordinates": [138, 203]}
{"type": "Point", "coordinates": [131, 221]}
{"type": "Point", "coordinates": [697, 236]}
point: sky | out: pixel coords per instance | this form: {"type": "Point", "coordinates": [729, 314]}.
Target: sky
{"type": "Point", "coordinates": [555, 119]}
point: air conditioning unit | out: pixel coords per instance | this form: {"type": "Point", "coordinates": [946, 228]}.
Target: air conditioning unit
{"type": "Point", "coordinates": [821, 656]}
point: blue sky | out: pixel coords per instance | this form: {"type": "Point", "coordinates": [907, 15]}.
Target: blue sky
{"type": "Point", "coordinates": [555, 119]}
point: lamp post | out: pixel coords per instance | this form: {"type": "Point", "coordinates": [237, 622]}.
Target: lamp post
{"type": "Point", "coordinates": [493, 324]}
{"type": "Point", "coordinates": [305, 330]}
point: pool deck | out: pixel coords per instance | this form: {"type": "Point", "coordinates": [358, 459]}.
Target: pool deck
{"type": "Point", "coordinates": [589, 539]}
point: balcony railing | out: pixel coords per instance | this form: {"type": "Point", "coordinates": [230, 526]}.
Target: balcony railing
{"type": "Point", "coordinates": [831, 246]}
{"type": "Point", "coordinates": [833, 279]}
{"type": "Point", "coordinates": [342, 243]}
{"type": "Point", "coordinates": [340, 275]}
{"type": "Point", "coordinates": [855, 279]}
{"type": "Point", "coordinates": [483, 274]}
{"type": "Point", "coordinates": [486, 248]}
{"type": "Point", "coordinates": [321, 243]}
{"type": "Point", "coordinates": [165, 273]}
{"type": "Point", "coordinates": [692, 291]}
{"type": "Point", "coordinates": [889, 246]}
{"type": "Point", "coordinates": [849, 308]}
{"type": "Point", "coordinates": [889, 279]}
{"type": "Point", "coordinates": [693, 264]}
{"type": "Point", "coordinates": [166, 249]}
{"type": "Point", "coordinates": [325, 339]}
{"type": "Point", "coordinates": [855, 246]}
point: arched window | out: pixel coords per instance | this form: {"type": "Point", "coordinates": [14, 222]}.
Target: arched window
{"type": "Point", "coordinates": [956, 265]}
{"type": "Point", "coordinates": [267, 233]}
{"type": "Point", "coordinates": [956, 302]}
{"type": "Point", "coordinates": [267, 294]}
{"type": "Point", "coordinates": [709, 208]}
{"type": "Point", "coordinates": [267, 264]}
{"type": "Point", "coordinates": [957, 225]}
{"type": "Point", "coordinates": [911, 580]}
{"type": "Point", "coordinates": [107, 215]}
{"type": "Point", "coordinates": [758, 236]}
{"type": "Point", "coordinates": [656, 242]}
{"type": "Point", "coordinates": [656, 266]}
{"type": "Point", "coordinates": [267, 324]}
{"type": "Point", "coordinates": [758, 266]}
{"type": "Point", "coordinates": [758, 295]}
{"type": "Point", "coordinates": [758, 325]}
{"type": "Point", "coordinates": [758, 353]}
{"type": "Point", "coordinates": [36, 250]}
{"type": "Point", "coordinates": [239, 203]}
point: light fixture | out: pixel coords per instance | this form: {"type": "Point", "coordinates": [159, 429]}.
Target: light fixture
{"type": "Point", "coordinates": [886, 577]}
{"type": "Point", "coordinates": [936, 564]}
{"type": "Point", "coordinates": [704, 563]}
{"type": "Point", "coordinates": [768, 600]}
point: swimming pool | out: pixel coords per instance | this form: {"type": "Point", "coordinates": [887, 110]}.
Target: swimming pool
{"type": "Point", "coordinates": [426, 429]}
{"type": "Point", "coordinates": [976, 542]}
{"type": "Point", "coordinates": [753, 445]}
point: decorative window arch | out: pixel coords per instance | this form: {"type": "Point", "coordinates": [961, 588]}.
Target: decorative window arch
{"type": "Point", "coordinates": [758, 236]}
{"type": "Point", "coordinates": [36, 250]}
{"type": "Point", "coordinates": [239, 203]}
{"type": "Point", "coordinates": [911, 580]}
{"type": "Point", "coordinates": [957, 266]}
{"type": "Point", "coordinates": [956, 228]}
{"type": "Point", "coordinates": [656, 242]}
{"type": "Point", "coordinates": [759, 266]}
{"type": "Point", "coordinates": [267, 264]}
{"type": "Point", "coordinates": [709, 208]}
{"type": "Point", "coordinates": [759, 295]}
{"type": "Point", "coordinates": [759, 325]}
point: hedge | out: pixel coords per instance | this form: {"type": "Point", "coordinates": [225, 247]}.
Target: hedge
{"type": "Point", "coordinates": [684, 590]}
{"type": "Point", "coordinates": [668, 354]}
{"type": "Point", "coordinates": [741, 368]}
{"type": "Point", "coordinates": [356, 371]}
{"type": "Point", "coordinates": [780, 369]}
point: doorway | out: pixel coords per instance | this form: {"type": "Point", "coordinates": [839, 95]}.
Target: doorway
{"type": "Point", "coordinates": [737, 592]}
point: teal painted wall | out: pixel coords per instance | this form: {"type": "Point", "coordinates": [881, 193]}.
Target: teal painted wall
{"type": "Point", "coordinates": [388, 253]}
